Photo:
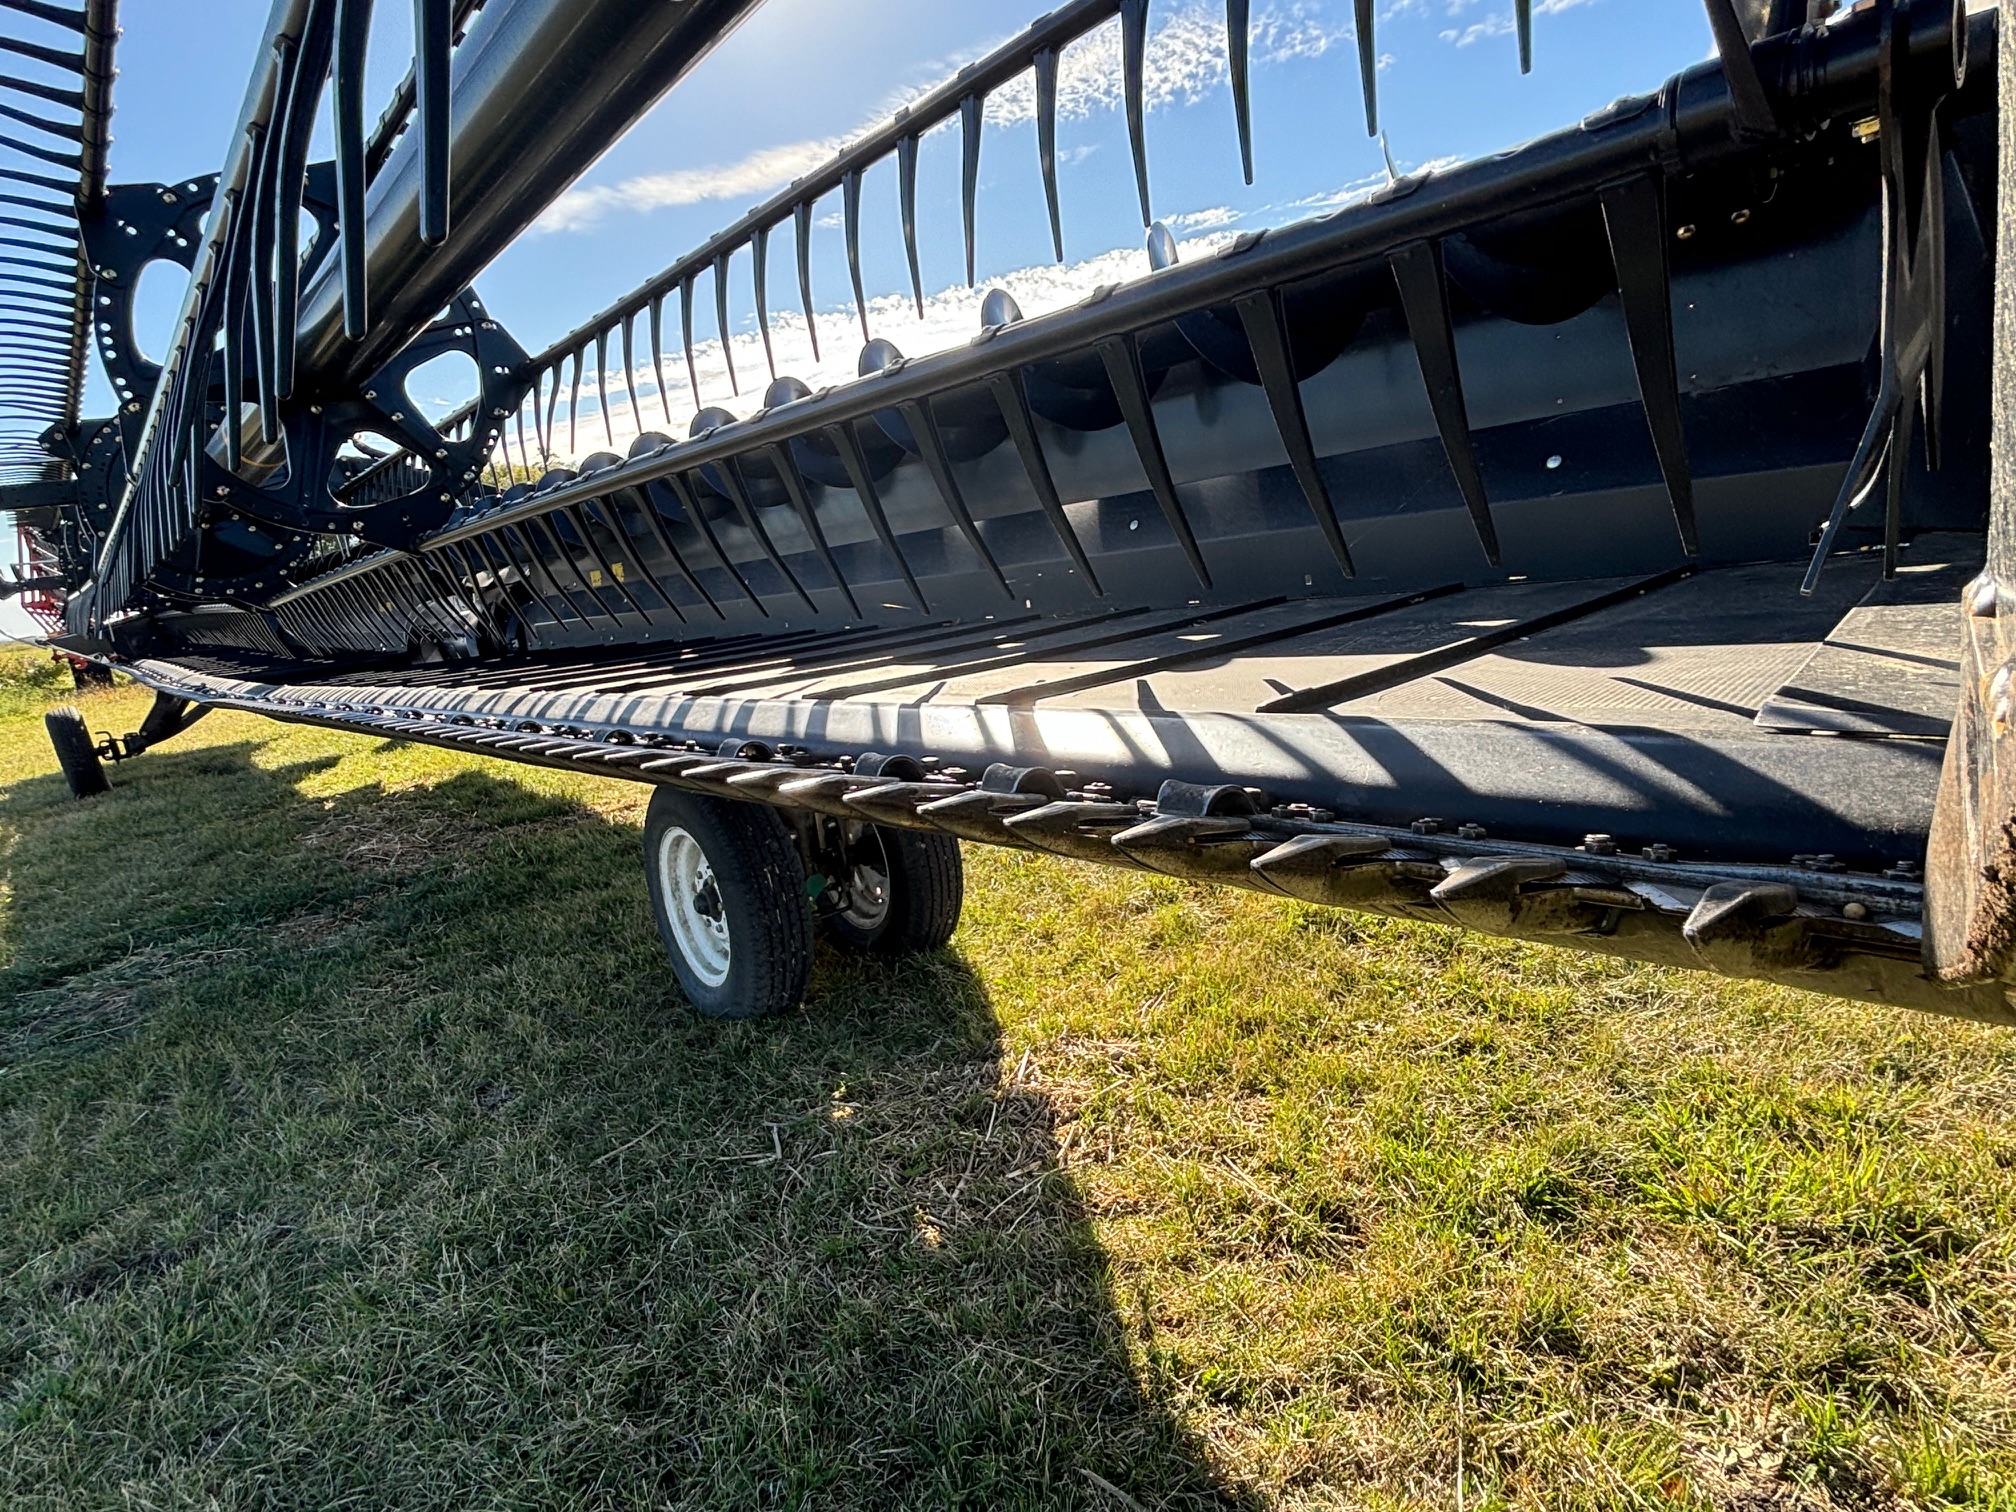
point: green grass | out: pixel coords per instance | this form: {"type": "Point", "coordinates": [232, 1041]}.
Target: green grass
{"type": "Point", "coordinates": [356, 1151]}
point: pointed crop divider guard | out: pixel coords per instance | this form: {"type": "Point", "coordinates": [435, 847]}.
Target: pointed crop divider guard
{"type": "Point", "coordinates": [1267, 335]}
{"type": "Point", "coordinates": [1635, 216]}
{"type": "Point", "coordinates": [848, 445]}
{"type": "Point", "coordinates": [1424, 298]}
{"type": "Point", "coordinates": [1121, 357]}
{"type": "Point", "coordinates": [923, 425]}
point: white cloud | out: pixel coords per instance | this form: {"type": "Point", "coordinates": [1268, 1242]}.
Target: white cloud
{"type": "Point", "coordinates": [1185, 61]}
{"type": "Point", "coordinates": [1500, 23]}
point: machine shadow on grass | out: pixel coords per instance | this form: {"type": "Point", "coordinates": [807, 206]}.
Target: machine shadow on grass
{"type": "Point", "coordinates": [359, 1149]}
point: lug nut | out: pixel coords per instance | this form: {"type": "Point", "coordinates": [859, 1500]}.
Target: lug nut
{"type": "Point", "coordinates": [1426, 826]}
{"type": "Point", "coordinates": [1470, 832]}
{"type": "Point", "coordinates": [1658, 853]}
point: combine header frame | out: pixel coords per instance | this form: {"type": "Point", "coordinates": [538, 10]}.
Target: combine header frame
{"type": "Point", "coordinates": [1569, 545]}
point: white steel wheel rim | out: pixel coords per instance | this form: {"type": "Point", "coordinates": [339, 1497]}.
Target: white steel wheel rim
{"type": "Point", "coordinates": [693, 906]}
{"type": "Point", "coordinates": [868, 888]}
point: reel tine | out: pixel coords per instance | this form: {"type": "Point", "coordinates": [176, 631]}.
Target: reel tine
{"type": "Point", "coordinates": [1635, 215]}
{"type": "Point", "coordinates": [1133, 67]}
{"type": "Point", "coordinates": [686, 335]}
{"type": "Point", "coordinates": [906, 179]}
{"type": "Point", "coordinates": [1121, 357]}
{"type": "Point", "coordinates": [721, 317]}
{"type": "Point", "coordinates": [1893, 507]}
{"type": "Point", "coordinates": [848, 444]}
{"type": "Point", "coordinates": [1522, 21]}
{"type": "Point", "coordinates": [433, 43]}
{"type": "Point", "coordinates": [1424, 298]}
{"type": "Point", "coordinates": [972, 117]}
{"type": "Point", "coordinates": [630, 371]}
{"type": "Point", "coordinates": [801, 500]}
{"type": "Point", "coordinates": [1045, 66]}
{"type": "Point", "coordinates": [1267, 335]}
{"type": "Point", "coordinates": [602, 385]}
{"type": "Point", "coordinates": [801, 214]}
{"type": "Point", "coordinates": [1368, 64]}
{"type": "Point", "coordinates": [759, 275]}
{"type": "Point", "coordinates": [924, 427]}
{"type": "Point", "coordinates": [850, 195]}
{"type": "Point", "coordinates": [658, 354]}
{"type": "Point", "coordinates": [574, 400]}
{"type": "Point", "coordinates": [549, 435]}
{"type": "Point", "coordinates": [353, 30]}
{"type": "Point", "coordinates": [1750, 107]}
{"type": "Point", "coordinates": [1014, 405]}
{"type": "Point", "coordinates": [1238, 43]}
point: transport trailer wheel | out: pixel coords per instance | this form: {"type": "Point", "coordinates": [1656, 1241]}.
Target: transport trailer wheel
{"type": "Point", "coordinates": [728, 889]}
{"type": "Point", "coordinates": [904, 891]}
{"type": "Point", "coordinates": [76, 753]}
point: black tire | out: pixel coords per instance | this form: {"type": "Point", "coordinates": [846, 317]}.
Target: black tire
{"type": "Point", "coordinates": [76, 753]}
{"type": "Point", "coordinates": [919, 902]}
{"type": "Point", "coordinates": [734, 918]}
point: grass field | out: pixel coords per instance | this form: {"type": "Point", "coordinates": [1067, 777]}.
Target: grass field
{"type": "Point", "coordinates": [356, 1151]}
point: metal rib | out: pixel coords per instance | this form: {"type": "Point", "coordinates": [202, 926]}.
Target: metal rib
{"type": "Point", "coordinates": [849, 446]}
{"type": "Point", "coordinates": [1636, 219]}
{"type": "Point", "coordinates": [731, 479]}
{"type": "Point", "coordinates": [1133, 63]}
{"type": "Point", "coordinates": [801, 500]}
{"type": "Point", "coordinates": [1424, 297]}
{"type": "Point", "coordinates": [906, 180]}
{"type": "Point", "coordinates": [1267, 335]}
{"type": "Point", "coordinates": [924, 428]}
{"type": "Point", "coordinates": [850, 198]}
{"type": "Point", "coordinates": [681, 489]}
{"type": "Point", "coordinates": [1121, 357]}
{"type": "Point", "coordinates": [678, 557]}
{"type": "Point", "coordinates": [1013, 403]}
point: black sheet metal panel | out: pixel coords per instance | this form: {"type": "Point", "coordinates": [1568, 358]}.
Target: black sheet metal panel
{"type": "Point", "coordinates": [1891, 666]}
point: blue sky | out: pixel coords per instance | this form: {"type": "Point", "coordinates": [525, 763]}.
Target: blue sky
{"type": "Point", "coordinates": [802, 75]}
